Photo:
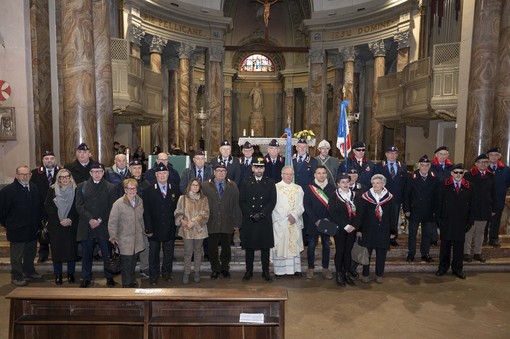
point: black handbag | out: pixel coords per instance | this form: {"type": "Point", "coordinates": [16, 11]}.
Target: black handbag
{"type": "Point", "coordinates": [359, 253]}
{"type": "Point", "coordinates": [328, 227]}
{"type": "Point", "coordinates": [113, 263]}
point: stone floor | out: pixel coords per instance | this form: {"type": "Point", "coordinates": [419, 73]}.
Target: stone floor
{"type": "Point", "coordinates": [406, 305]}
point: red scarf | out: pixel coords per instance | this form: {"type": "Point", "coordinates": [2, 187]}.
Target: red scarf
{"type": "Point", "coordinates": [351, 208]}
{"type": "Point", "coordinates": [378, 208]}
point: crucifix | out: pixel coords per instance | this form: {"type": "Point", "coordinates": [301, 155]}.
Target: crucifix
{"type": "Point", "coordinates": [267, 8]}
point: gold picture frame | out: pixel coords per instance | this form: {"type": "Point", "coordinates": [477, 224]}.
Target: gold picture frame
{"type": "Point", "coordinates": [7, 124]}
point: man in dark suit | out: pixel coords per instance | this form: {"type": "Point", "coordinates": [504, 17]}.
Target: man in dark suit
{"type": "Point", "coordinates": [316, 197]}
{"type": "Point", "coordinates": [159, 203]}
{"type": "Point", "coordinates": [304, 164]}
{"type": "Point", "coordinates": [274, 161]}
{"type": "Point", "coordinates": [420, 193]}
{"type": "Point", "coordinates": [483, 207]}
{"type": "Point", "coordinates": [441, 165]}
{"type": "Point", "coordinates": [173, 175]}
{"type": "Point", "coordinates": [223, 197]}
{"type": "Point", "coordinates": [246, 161]}
{"type": "Point", "coordinates": [396, 177]}
{"type": "Point", "coordinates": [257, 200]}
{"type": "Point", "coordinates": [20, 214]}
{"type": "Point", "coordinates": [44, 176]}
{"type": "Point", "coordinates": [364, 167]}
{"type": "Point", "coordinates": [454, 203]}
{"type": "Point", "coordinates": [502, 176]}
{"type": "Point", "coordinates": [231, 163]}
{"type": "Point", "coordinates": [80, 167]}
{"type": "Point", "coordinates": [198, 169]}
{"type": "Point", "coordinates": [118, 172]}
{"type": "Point", "coordinates": [94, 200]}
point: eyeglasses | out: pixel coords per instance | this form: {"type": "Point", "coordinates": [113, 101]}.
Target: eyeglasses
{"type": "Point", "coordinates": [24, 174]}
{"type": "Point", "coordinates": [195, 185]}
{"type": "Point", "coordinates": [359, 149]}
{"type": "Point", "coordinates": [130, 188]}
{"type": "Point", "coordinates": [162, 159]}
{"type": "Point", "coordinates": [458, 172]}
{"type": "Point", "coordinates": [64, 177]}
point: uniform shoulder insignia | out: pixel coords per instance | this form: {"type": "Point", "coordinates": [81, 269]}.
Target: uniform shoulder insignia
{"type": "Point", "coordinates": [40, 170]}
{"type": "Point", "coordinates": [383, 163]}
{"type": "Point", "coordinates": [433, 174]}
{"type": "Point", "coordinates": [415, 176]}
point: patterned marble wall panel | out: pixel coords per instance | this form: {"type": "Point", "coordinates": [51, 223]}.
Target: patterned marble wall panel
{"type": "Point", "coordinates": [482, 78]}
{"type": "Point", "coordinates": [184, 95]}
{"type": "Point", "coordinates": [337, 99]}
{"type": "Point", "coordinates": [215, 97]}
{"type": "Point", "coordinates": [103, 72]}
{"type": "Point", "coordinates": [41, 76]}
{"type": "Point", "coordinates": [316, 100]}
{"type": "Point", "coordinates": [376, 128]}
{"type": "Point", "coordinates": [78, 75]}
{"type": "Point", "coordinates": [227, 101]}
{"type": "Point", "coordinates": [502, 103]}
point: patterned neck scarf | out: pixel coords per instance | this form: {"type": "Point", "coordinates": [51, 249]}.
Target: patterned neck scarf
{"type": "Point", "coordinates": [378, 200]}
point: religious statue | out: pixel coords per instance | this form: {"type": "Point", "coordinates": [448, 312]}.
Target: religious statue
{"type": "Point", "coordinates": [257, 99]}
{"type": "Point", "coordinates": [267, 5]}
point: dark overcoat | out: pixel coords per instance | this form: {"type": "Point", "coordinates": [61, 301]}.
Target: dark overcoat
{"type": "Point", "coordinates": [303, 172]}
{"type": "Point", "coordinates": [365, 171]}
{"type": "Point", "coordinates": [257, 198]}
{"type": "Point", "coordinates": [94, 201]}
{"type": "Point", "coordinates": [375, 232]}
{"type": "Point", "coordinates": [420, 197]}
{"type": "Point", "coordinates": [395, 185]}
{"type": "Point", "coordinates": [159, 211]}
{"type": "Point", "coordinates": [274, 171]}
{"type": "Point", "coordinates": [79, 172]}
{"type": "Point", "coordinates": [338, 210]}
{"type": "Point", "coordinates": [41, 180]}
{"type": "Point", "coordinates": [314, 208]}
{"type": "Point", "coordinates": [484, 194]}
{"type": "Point", "coordinates": [454, 209]}
{"type": "Point", "coordinates": [62, 238]}
{"type": "Point", "coordinates": [233, 168]}
{"type": "Point", "coordinates": [20, 213]}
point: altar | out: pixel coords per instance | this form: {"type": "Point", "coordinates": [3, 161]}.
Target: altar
{"type": "Point", "coordinates": [263, 143]}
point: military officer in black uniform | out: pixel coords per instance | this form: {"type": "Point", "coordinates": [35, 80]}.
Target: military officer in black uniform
{"type": "Point", "coordinates": [274, 161]}
{"type": "Point", "coordinates": [364, 167]}
{"type": "Point", "coordinates": [257, 200]}
{"type": "Point", "coordinates": [231, 163]}
{"type": "Point", "coordinates": [80, 168]}
{"type": "Point", "coordinates": [245, 162]}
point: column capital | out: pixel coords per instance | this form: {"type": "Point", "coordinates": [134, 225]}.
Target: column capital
{"type": "Point", "coordinates": [216, 53]}
{"type": "Point", "coordinates": [349, 53]}
{"type": "Point", "coordinates": [317, 56]}
{"type": "Point", "coordinates": [135, 35]}
{"type": "Point", "coordinates": [185, 51]}
{"type": "Point", "coordinates": [156, 44]}
{"type": "Point", "coordinates": [402, 38]}
{"type": "Point", "coordinates": [378, 48]}
{"type": "Point", "coordinates": [172, 63]}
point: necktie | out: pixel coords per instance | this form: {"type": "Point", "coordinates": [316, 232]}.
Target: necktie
{"type": "Point", "coordinates": [457, 188]}
{"type": "Point", "coordinates": [26, 190]}
{"type": "Point", "coordinates": [274, 161]}
{"type": "Point", "coordinates": [494, 169]}
{"type": "Point", "coordinates": [392, 170]}
{"type": "Point", "coordinates": [360, 163]}
{"type": "Point", "coordinates": [246, 163]}
{"type": "Point", "coordinates": [121, 173]}
{"type": "Point", "coordinates": [300, 160]}
{"type": "Point", "coordinates": [424, 178]}
{"type": "Point", "coordinates": [442, 166]}
{"type": "Point", "coordinates": [221, 190]}
{"type": "Point", "coordinates": [225, 161]}
{"type": "Point", "coordinates": [483, 173]}
{"type": "Point", "coordinates": [50, 178]}
{"type": "Point", "coordinates": [163, 192]}
{"type": "Point", "coordinates": [200, 175]}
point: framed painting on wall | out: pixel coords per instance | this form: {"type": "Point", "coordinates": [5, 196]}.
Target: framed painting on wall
{"type": "Point", "coordinates": [7, 124]}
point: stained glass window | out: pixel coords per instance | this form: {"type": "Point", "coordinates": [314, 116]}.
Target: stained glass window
{"type": "Point", "coordinates": [257, 63]}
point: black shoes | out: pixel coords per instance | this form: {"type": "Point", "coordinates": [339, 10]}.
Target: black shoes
{"type": "Point", "coordinates": [440, 273]}
{"type": "Point", "coordinates": [349, 280]}
{"type": "Point", "coordinates": [298, 274]}
{"type": "Point", "coordinates": [226, 274]}
{"type": "Point", "coordinates": [153, 281]}
{"type": "Point", "coordinates": [267, 276]}
{"type": "Point", "coordinates": [215, 275]}
{"type": "Point", "coordinates": [494, 243]}
{"type": "Point", "coordinates": [427, 258]}
{"type": "Point", "coordinates": [85, 283]}
{"type": "Point", "coordinates": [58, 279]}
{"type": "Point", "coordinates": [467, 258]}
{"type": "Point", "coordinates": [394, 243]}
{"type": "Point", "coordinates": [354, 274]}
{"type": "Point", "coordinates": [247, 276]}
{"type": "Point", "coordinates": [70, 278]}
{"type": "Point", "coordinates": [478, 257]}
{"type": "Point", "coordinates": [410, 258]}
{"type": "Point", "coordinates": [167, 277]}
{"type": "Point", "coordinates": [459, 275]}
{"type": "Point", "coordinates": [340, 279]}
{"type": "Point", "coordinates": [110, 282]}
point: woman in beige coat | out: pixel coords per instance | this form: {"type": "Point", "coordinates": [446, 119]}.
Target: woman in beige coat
{"type": "Point", "coordinates": [191, 215]}
{"type": "Point", "coordinates": [126, 229]}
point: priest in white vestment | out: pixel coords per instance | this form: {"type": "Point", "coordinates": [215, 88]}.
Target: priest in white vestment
{"type": "Point", "coordinates": [287, 226]}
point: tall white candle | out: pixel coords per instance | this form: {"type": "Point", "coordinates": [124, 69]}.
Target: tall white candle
{"type": "Point", "coordinates": [244, 132]}
{"type": "Point", "coordinates": [252, 132]}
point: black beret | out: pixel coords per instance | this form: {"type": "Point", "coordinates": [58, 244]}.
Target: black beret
{"type": "Point", "coordinates": [199, 152]}
{"type": "Point", "coordinates": [247, 145]}
{"type": "Point", "coordinates": [442, 148]}
{"type": "Point", "coordinates": [225, 143]}
{"type": "Point", "coordinates": [352, 171]}
{"type": "Point", "coordinates": [274, 143]}
{"type": "Point", "coordinates": [482, 156]}
{"type": "Point", "coordinates": [48, 153]}
{"type": "Point", "coordinates": [135, 162]}
{"type": "Point", "coordinates": [221, 164]}
{"type": "Point", "coordinates": [457, 166]}
{"type": "Point", "coordinates": [392, 149]}
{"type": "Point", "coordinates": [301, 141]}
{"type": "Point", "coordinates": [424, 159]}
{"type": "Point", "coordinates": [343, 176]}
{"type": "Point", "coordinates": [83, 147]}
{"type": "Point", "coordinates": [97, 165]}
{"type": "Point", "coordinates": [495, 150]}
{"type": "Point", "coordinates": [359, 144]}
{"type": "Point", "coordinates": [160, 168]}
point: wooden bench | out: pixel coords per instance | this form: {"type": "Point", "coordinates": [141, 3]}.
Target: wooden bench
{"type": "Point", "coordinates": [122, 313]}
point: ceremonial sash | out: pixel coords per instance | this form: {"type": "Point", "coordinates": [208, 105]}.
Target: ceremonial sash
{"type": "Point", "coordinates": [378, 208]}
{"type": "Point", "coordinates": [351, 208]}
{"type": "Point", "coordinates": [319, 193]}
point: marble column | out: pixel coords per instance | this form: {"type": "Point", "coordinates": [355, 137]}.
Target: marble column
{"type": "Point", "coordinates": [356, 98]}
{"type": "Point", "coordinates": [349, 55]}
{"type": "Point", "coordinates": [156, 45]}
{"type": "Point", "coordinates": [172, 65]}
{"type": "Point", "coordinates": [103, 74]}
{"type": "Point", "coordinates": [185, 54]}
{"type": "Point", "coordinates": [482, 79]}
{"type": "Point", "coordinates": [41, 79]}
{"type": "Point", "coordinates": [338, 64]}
{"type": "Point", "coordinates": [403, 50]}
{"type": "Point", "coordinates": [501, 124]}
{"type": "Point", "coordinates": [316, 114]}
{"type": "Point", "coordinates": [214, 95]}
{"type": "Point", "coordinates": [289, 109]}
{"type": "Point", "coordinates": [376, 129]}
{"type": "Point", "coordinates": [227, 111]}
{"type": "Point", "coordinates": [78, 79]}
